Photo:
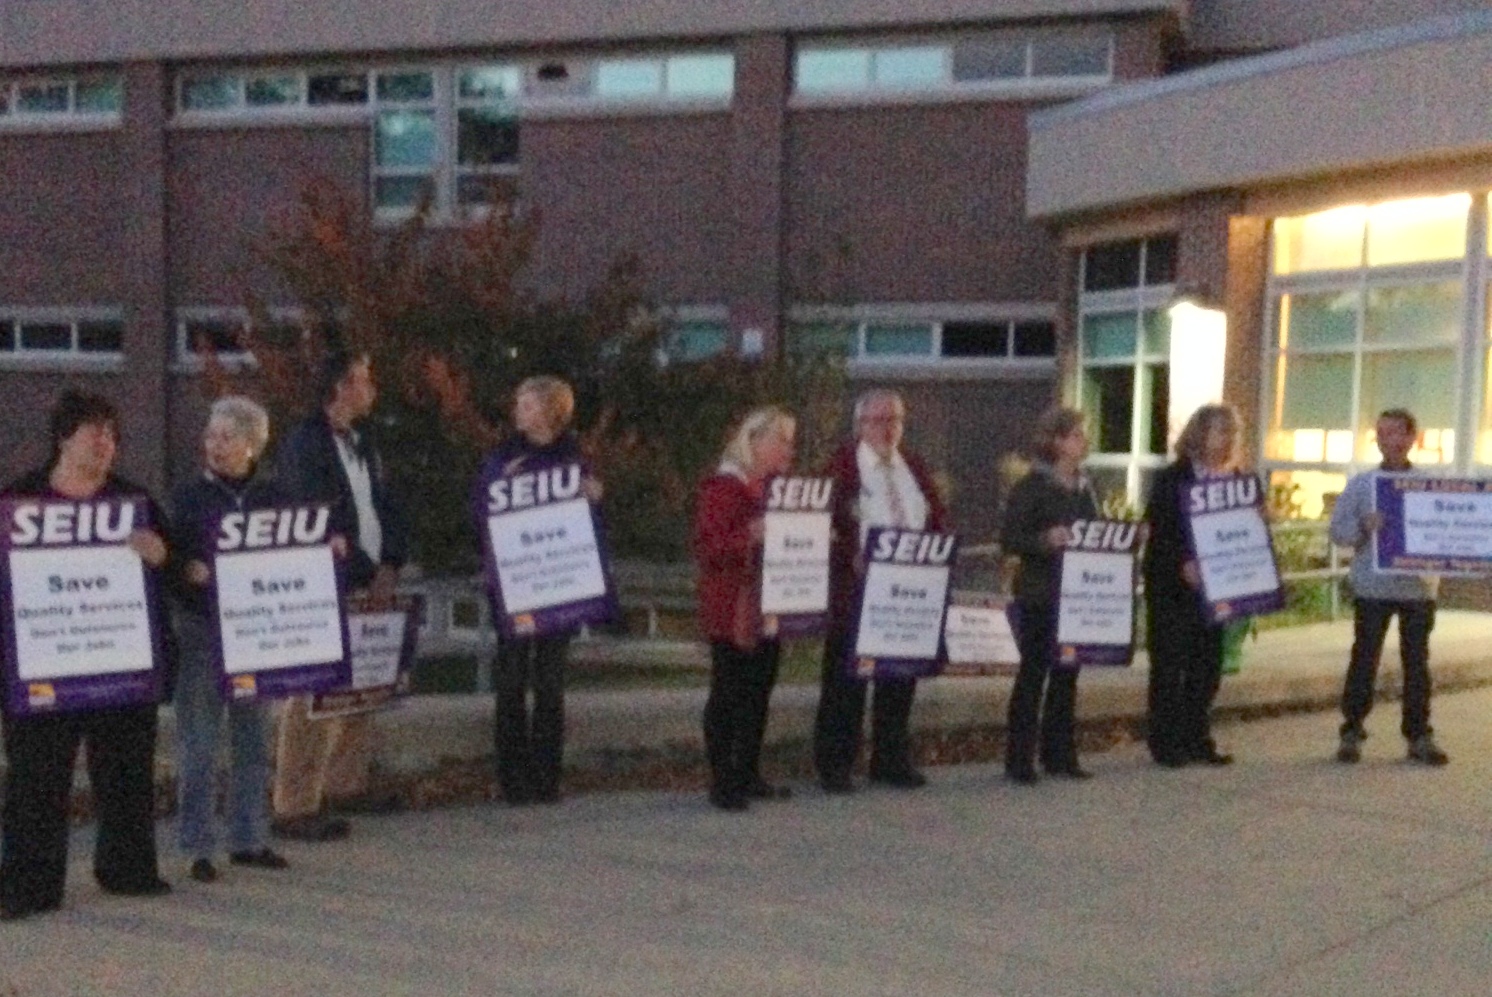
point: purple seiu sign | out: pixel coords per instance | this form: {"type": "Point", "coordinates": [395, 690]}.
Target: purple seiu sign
{"type": "Point", "coordinates": [1095, 600]}
{"type": "Point", "coordinates": [1229, 540]}
{"type": "Point", "coordinates": [545, 562]}
{"type": "Point", "coordinates": [84, 613]}
{"type": "Point", "coordinates": [279, 602]}
{"type": "Point", "coordinates": [381, 649]}
{"type": "Point", "coordinates": [900, 604]}
{"type": "Point", "coordinates": [796, 532]}
{"type": "Point", "coordinates": [1433, 526]}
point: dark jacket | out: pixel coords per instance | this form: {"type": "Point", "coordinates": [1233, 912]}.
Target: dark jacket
{"type": "Point", "coordinates": [1037, 503]}
{"type": "Point", "coordinates": [844, 468]}
{"type": "Point", "coordinates": [38, 484]}
{"type": "Point", "coordinates": [196, 508]}
{"type": "Point", "coordinates": [309, 469]}
{"type": "Point", "coordinates": [1167, 549]}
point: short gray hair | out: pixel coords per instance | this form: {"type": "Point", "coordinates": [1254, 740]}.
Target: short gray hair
{"type": "Point", "coordinates": [874, 395]}
{"type": "Point", "coordinates": [246, 416]}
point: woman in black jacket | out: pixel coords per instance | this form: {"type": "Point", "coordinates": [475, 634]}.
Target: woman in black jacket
{"type": "Point", "coordinates": [1186, 649]}
{"type": "Point", "coordinates": [42, 749]}
{"type": "Point", "coordinates": [1041, 508]}
{"type": "Point", "coordinates": [530, 743]}
{"type": "Point", "coordinates": [236, 433]}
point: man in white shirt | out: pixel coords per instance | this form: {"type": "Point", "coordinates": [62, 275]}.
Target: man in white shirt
{"type": "Point", "coordinates": [330, 457]}
{"type": "Point", "coordinates": [877, 482]}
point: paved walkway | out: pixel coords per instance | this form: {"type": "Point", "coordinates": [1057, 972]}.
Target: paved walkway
{"type": "Point", "coordinates": [1286, 874]}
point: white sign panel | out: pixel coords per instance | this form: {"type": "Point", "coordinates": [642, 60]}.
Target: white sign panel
{"type": "Point", "coordinates": [546, 556]}
{"type": "Point", "coordinates": [1234, 554]}
{"type": "Point", "coordinates": [79, 612]}
{"type": "Point", "coordinates": [902, 613]}
{"type": "Point", "coordinates": [795, 562]}
{"type": "Point", "coordinates": [980, 635]}
{"type": "Point", "coordinates": [278, 608]}
{"type": "Point", "coordinates": [1097, 602]}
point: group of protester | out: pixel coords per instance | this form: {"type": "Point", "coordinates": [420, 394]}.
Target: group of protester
{"type": "Point", "coordinates": [322, 763]}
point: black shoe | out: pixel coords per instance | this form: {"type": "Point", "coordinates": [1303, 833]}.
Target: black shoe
{"type": "Point", "coordinates": [1172, 760]}
{"type": "Point", "coordinates": [1071, 770]}
{"type": "Point", "coordinates": [156, 887]}
{"type": "Point", "coordinates": [1022, 775]}
{"type": "Point", "coordinates": [733, 801]}
{"type": "Point", "coordinates": [374, 804]}
{"type": "Point", "coordinates": [900, 779]}
{"type": "Point", "coordinates": [315, 829]}
{"type": "Point", "coordinates": [263, 858]}
{"type": "Point", "coordinates": [761, 789]}
{"type": "Point", "coordinates": [549, 794]}
{"type": "Point", "coordinates": [16, 911]}
{"type": "Point", "coordinates": [837, 785]}
{"type": "Point", "coordinates": [1212, 756]}
{"type": "Point", "coordinates": [203, 871]}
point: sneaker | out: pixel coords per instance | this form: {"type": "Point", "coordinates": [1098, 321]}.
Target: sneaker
{"type": "Point", "coordinates": [1349, 751]}
{"type": "Point", "coordinates": [1424, 750]}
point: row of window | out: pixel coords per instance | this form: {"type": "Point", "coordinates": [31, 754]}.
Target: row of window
{"type": "Point", "coordinates": [48, 100]}
{"type": "Point", "coordinates": [975, 61]}
{"type": "Point", "coordinates": [923, 340]}
{"type": "Point", "coordinates": [693, 76]}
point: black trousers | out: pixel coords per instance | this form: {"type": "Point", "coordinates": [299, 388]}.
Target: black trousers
{"type": "Point", "coordinates": [38, 786]}
{"type": "Point", "coordinates": [841, 715]}
{"type": "Point", "coordinates": [735, 721]}
{"type": "Point", "coordinates": [1369, 628]}
{"type": "Point", "coordinates": [1029, 720]}
{"type": "Point", "coordinates": [530, 741]}
{"type": "Point", "coordinates": [1186, 667]}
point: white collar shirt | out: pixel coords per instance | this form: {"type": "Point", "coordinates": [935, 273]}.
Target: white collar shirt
{"type": "Point", "coordinates": [360, 477]}
{"type": "Point", "coordinates": [889, 495]}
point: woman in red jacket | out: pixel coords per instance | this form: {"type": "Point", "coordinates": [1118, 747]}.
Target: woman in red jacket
{"type": "Point", "coordinates": [727, 545]}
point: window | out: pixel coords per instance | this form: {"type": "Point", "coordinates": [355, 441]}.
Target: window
{"type": "Point", "coordinates": [91, 100]}
{"type": "Point", "coordinates": [48, 333]}
{"type": "Point", "coordinates": [486, 130]}
{"type": "Point", "coordinates": [925, 340]}
{"type": "Point", "coordinates": [406, 141]}
{"type": "Point", "coordinates": [227, 332]}
{"type": "Point", "coordinates": [689, 341]}
{"type": "Point", "coordinates": [1124, 345]}
{"type": "Point", "coordinates": [1367, 313]}
{"type": "Point", "coordinates": [993, 61]}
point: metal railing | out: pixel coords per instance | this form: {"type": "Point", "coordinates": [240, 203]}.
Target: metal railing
{"type": "Point", "coordinates": [458, 617]}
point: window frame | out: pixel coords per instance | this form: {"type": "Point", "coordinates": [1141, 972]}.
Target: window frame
{"type": "Point", "coordinates": [185, 360]}
{"type": "Point", "coordinates": [13, 119]}
{"type": "Point", "coordinates": [72, 358]}
{"type": "Point", "coordinates": [934, 318]}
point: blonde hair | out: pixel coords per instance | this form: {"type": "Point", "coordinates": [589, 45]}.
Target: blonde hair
{"type": "Point", "coordinates": [247, 417]}
{"type": "Point", "coordinates": [557, 397]}
{"type": "Point", "coordinates": [757, 423]}
{"type": "Point", "coordinates": [1192, 443]}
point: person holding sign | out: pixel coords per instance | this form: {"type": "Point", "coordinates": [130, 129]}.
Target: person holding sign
{"type": "Point", "coordinates": [42, 749]}
{"type": "Point", "coordinates": [727, 546]}
{"type": "Point", "coordinates": [332, 458]}
{"type": "Point", "coordinates": [1186, 647]}
{"type": "Point", "coordinates": [530, 745]}
{"type": "Point", "coordinates": [1042, 507]}
{"type": "Point", "coordinates": [236, 433]}
{"type": "Point", "coordinates": [1379, 596]}
{"type": "Point", "coordinates": [877, 483]}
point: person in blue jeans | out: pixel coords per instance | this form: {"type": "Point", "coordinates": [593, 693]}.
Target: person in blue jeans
{"type": "Point", "coordinates": [1380, 597]}
{"type": "Point", "coordinates": [237, 431]}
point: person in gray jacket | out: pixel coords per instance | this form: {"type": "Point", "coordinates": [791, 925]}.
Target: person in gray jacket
{"type": "Point", "coordinates": [1379, 596]}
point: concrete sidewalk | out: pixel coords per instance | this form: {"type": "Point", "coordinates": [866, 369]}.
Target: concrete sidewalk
{"type": "Point", "coordinates": [1285, 874]}
{"type": "Point", "coordinates": [1295, 668]}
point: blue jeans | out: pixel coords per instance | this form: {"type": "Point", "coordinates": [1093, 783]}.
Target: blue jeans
{"type": "Point", "coordinates": [199, 721]}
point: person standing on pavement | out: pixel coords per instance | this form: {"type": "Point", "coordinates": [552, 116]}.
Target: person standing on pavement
{"type": "Point", "coordinates": [1042, 508]}
{"type": "Point", "coordinates": [234, 439]}
{"type": "Point", "coordinates": [1378, 598]}
{"type": "Point", "coordinates": [1186, 647]}
{"type": "Point", "coordinates": [727, 547]}
{"type": "Point", "coordinates": [530, 744]}
{"type": "Point", "coordinates": [331, 457]}
{"type": "Point", "coordinates": [120, 741]}
{"type": "Point", "coordinates": [877, 482]}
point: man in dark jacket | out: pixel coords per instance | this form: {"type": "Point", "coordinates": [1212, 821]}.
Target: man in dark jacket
{"type": "Point", "coordinates": [877, 482]}
{"type": "Point", "coordinates": [330, 457]}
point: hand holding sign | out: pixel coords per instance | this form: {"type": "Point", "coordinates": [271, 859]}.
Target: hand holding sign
{"type": "Point", "coordinates": [1234, 554]}
{"type": "Point", "coordinates": [795, 555]}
